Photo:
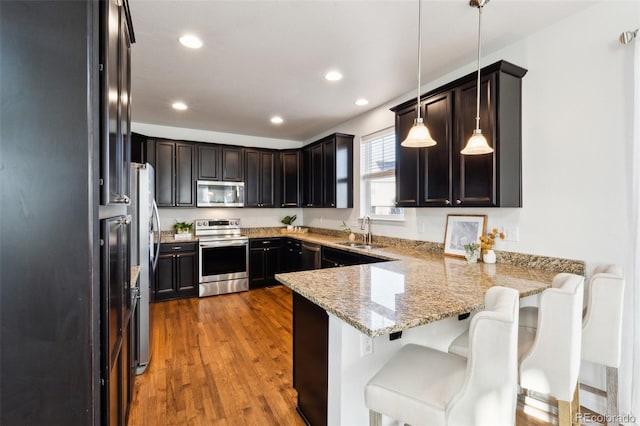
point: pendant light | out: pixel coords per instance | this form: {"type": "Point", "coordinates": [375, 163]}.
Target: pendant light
{"type": "Point", "coordinates": [419, 135]}
{"type": "Point", "coordinates": [477, 143]}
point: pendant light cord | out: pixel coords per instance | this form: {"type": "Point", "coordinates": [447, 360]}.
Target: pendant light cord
{"type": "Point", "coordinates": [419, 50]}
{"type": "Point", "coordinates": [478, 83]}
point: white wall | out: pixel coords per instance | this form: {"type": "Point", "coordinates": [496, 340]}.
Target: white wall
{"type": "Point", "coordinates": [577, 126]}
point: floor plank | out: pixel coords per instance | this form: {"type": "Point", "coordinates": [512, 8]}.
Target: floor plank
{"type": "Point", "coordinates": [224, 360]}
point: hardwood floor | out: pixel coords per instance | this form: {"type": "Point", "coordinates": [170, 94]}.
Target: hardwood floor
{"type": "Point", "coordinates": [224, 360]}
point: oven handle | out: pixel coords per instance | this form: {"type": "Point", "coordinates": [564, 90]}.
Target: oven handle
{"type": "Point", "coordinates": [224, 243]}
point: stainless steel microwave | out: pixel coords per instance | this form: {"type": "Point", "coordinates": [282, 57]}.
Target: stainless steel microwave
{"type": "Point", "coordinates": [220, 194]}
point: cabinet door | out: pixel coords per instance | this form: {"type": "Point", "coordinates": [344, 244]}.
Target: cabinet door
{"type": "Point", "coordinates": [165, 171]}
{"type": "Point", "coordinates": [267, 179]}
{"type": "Point", "coordinates": [257, 267]}
{"type": "Point", "coordinates": [407, 160]}
{"type": "Point", "coordinates": [290, 164]}
{"type": "Point", "coordinates": [111, 155]}
{"type": "Point", "coordinates": [125, 105]}
{"type": "Point", "coordinates": [209, 162]}
{"type": "Point", "coordinates": [232, 164]}
{"type": "Point", "coordinates": [252, 179]}
{"type": "Point", "coordinates": [329, 173]}
{"type": "Point", "coordinates": [185, 177]}
{"type": "Point", "coordinates": [186, 276]}
{"type": "Point", "coordinates": [307, 181]}
{"type": "Point", "coordinates": [273, 259]}
{"type": "Point", "coordinates": [164, 277]}
{"type": "Point", "coordinates": [315, 174]}
{"type": "Point", "coordinates": [475, 175]}
{"type": "Point", "coordinates": [435, 167]}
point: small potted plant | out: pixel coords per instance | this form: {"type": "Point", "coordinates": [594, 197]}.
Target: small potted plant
{"type": "Point", "coordinates": [182, 230]}
{"type": "Point", "coordinates": [471, 252]}
{"type": "Point", "coordinates": [486, 245]}
{"type": "Point", "coordinates": [346, 228]}
{"type": "Point", "coordinates": [288, 220]}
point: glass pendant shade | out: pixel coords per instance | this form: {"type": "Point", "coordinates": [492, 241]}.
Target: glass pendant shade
{"type": "Point", "coordinates": [419, 136]}
{"type": "Point", "coordinates": [477, 144]}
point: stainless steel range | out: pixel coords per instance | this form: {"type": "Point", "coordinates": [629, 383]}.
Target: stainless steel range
{"type": "Point", "coordinates": [224, 257]}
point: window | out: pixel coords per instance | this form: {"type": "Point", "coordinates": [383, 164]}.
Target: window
{"type": "Point", "coordinates": [378, 175]}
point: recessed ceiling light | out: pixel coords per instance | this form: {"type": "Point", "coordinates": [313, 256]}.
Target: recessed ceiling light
{"type": "Point", "coordinates": [362, 102]}
{"type": "Point", "coordinates": [277, 119]}
{"type": "Point", "coordinates": [191, 41]}
{"type": "Point", "coordinates": [180, 106]}
{"type": "Point", "coordinates": [333, 76]}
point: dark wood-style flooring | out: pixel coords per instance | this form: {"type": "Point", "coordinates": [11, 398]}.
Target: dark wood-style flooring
{"type": "Point", "coordinates": [224, 360]}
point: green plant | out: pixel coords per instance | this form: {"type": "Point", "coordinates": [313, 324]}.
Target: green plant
{"type": "Point", "coordinates": [183, 227]}
{"type": "Point", "coordinates": [471, 247]}
{"type": "Point", "coordinates": [288, 220]}
{"type": "Point", "coordinates": [346, 228]}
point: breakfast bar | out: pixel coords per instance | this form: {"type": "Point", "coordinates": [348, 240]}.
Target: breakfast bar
{"type": "Point", "coordinates": [349, 321]}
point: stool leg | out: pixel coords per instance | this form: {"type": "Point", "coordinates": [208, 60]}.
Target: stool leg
{"type": "Point", "coordinates": [375, 419]}
{"type": "Point", "coordinates": [575, 406]}
{"type": "Point", "coordinates": [564, 413]}
{"type": "Point", "coordinates": [612, 396]}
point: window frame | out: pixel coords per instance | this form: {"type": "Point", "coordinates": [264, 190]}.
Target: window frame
{"type": "Point", "coordinates": [366, 176]}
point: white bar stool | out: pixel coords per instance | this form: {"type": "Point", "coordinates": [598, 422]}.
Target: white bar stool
{"type": "Point", "coordinates": [424, 386]}
{"type": "Point", "coordinates": [550, 353]}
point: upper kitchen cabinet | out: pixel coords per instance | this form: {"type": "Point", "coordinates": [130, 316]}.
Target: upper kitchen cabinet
{"type": "Point", "coordinates": [175, 175]}
{"type": "Point", "coordinates": [328, 172]}
{"type": "Point", "coordinates": [260, 177]}
{"type": "Point", "coordinates": [290, 168]}
{"type": "Point", "coordinates": [219, 163]}
{"type": "Point", "coordinates": [440, 176]}
{"type": "Point", "coordinates": [115, 109]}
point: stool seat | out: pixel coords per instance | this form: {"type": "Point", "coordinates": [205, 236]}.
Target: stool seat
{"type": "Point", "coordinates": [417, 395]}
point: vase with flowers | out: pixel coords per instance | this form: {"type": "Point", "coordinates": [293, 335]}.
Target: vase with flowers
{"type": "Point", "coordinates": [486, 245]}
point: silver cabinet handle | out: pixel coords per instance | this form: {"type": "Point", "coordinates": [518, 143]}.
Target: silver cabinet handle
{"type": "Point", "coordinates": [176, 248]}
{"type": "Point", "coordinates": [458, 202]}
{"type": "Point", "coordinates": [125, 220]}
{"type": "Point", "coordinates": [124, 199]}
{"type": "Point", "coordinates": [447, 202]}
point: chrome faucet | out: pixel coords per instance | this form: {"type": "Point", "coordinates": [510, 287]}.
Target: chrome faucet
{"type": "Point", "coordinates": [365, 226]}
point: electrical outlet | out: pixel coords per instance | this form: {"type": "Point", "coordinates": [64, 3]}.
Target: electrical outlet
{"type": "Point", "coordinates": [366, 345]}
{"type": "Point", "coordinates": [511, 233]}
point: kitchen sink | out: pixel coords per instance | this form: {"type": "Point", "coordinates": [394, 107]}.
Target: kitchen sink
{"type": "Point", "coordinates": [359, 246]}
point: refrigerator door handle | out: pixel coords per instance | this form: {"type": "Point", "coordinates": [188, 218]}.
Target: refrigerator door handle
{"type": "Point", "coordinates": [157, 216]}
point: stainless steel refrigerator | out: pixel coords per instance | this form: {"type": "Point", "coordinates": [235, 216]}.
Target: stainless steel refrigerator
{"type": "Point", "coordinates": [144, 252]}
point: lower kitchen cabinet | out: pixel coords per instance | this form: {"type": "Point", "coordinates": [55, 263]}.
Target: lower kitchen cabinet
{"type": "Point", "coordinates": [292, 255]}
{"type": "Point", "coordinates": [265, 256]}
{"type": "Point", "coordinates": [177, 272]}
{"type": "Point", "coordinates": [332, 258]}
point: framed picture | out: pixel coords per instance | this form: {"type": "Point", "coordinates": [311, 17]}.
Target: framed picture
{"type": "Point", "coordinates": [463, 229]}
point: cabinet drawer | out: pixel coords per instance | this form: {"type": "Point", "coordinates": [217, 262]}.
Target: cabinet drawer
{"type": "Point", "coordinates": [265, 243]}
{"type": "Point", "coordinates": [177, 247]}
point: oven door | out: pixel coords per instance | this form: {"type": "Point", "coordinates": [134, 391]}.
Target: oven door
{"type": "Point", "coordinates": [224, 260]}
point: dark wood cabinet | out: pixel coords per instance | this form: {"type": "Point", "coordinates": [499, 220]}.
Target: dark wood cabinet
{"type": "Point", "coordinates": [292, 255]}
{"type": "Point", "coordinates": [174, 164]}
{"type": "Point", "coordinates": [177, 271]}
{"type": "Point", "coordinates": [291, 176]}
{"type": "Point", "coordinates": [328, 172]}
{"type": "Point", "coordinates": [115, 111]}
{"type": "Point", "coordinates": [440, 176]}
{"type": "Point", "coordinates": [265, 256]}
{"type": "Point", "coordinates": [310, 360]}
{"type": "Point", "coordinates": [260, 178]}
{"type": "Point", "coordinates": [220, 162]}
{"type": "Point", "coordinates": [209, 162]}
{"type": "Point", "coordinates": [115, 310]}
{"type": "Point", "coordinates": [332, 258]}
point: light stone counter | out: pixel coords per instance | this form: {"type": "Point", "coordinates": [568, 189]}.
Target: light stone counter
{"type": "Point", "coordinates": [415, 289]}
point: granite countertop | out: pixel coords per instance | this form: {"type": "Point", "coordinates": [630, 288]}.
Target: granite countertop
{"type": "Point", "coordinates": [169, 238]}
{"type": "Point", "coordinates": [417, 288]}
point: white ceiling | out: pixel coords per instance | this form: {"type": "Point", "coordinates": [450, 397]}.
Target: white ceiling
{"type": "Point", "coordinates": [265, 58]}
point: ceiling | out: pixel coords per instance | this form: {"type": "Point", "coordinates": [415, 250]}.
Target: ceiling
{"type": "Point", "coordinates": [265, 58]}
